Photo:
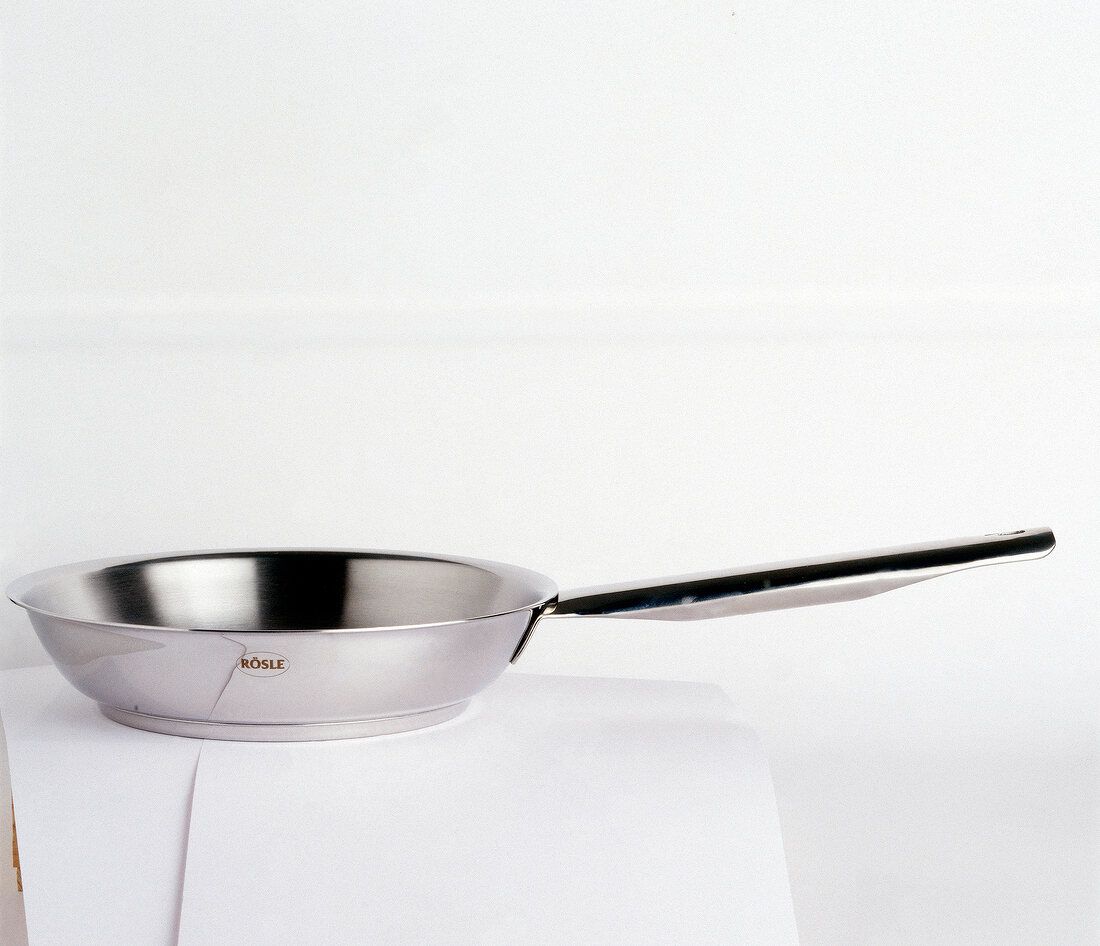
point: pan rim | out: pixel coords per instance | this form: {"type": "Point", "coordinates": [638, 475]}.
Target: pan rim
{"type": "Point", "coordinates": [18, 589]}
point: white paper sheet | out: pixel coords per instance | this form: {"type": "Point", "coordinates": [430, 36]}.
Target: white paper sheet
{"type": "Point", "coordinates": [102, 814]}
{"type": "Point", "coordinates": [556, 810]}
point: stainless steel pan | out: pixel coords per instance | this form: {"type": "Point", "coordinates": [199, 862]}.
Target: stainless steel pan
{"type": "Point", "coordinates": [326, 644]}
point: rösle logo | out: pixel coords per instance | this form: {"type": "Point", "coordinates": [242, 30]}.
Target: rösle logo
{"type": "Point", "coordinates": [261, 664]}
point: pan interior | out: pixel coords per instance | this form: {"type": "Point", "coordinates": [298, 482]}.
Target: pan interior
{"type": "Point", "coordinates": [288, 591]}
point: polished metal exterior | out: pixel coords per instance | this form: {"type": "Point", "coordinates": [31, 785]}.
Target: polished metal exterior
{"type": "Point", "coordinates": [372, 642]}
{"type": "Point", "coordinates": [322, 644]}
{"type": "Point", "coordinates": [284, 732]}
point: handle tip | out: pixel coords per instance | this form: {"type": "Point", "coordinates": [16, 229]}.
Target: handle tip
{"type": "Point", "coordinates": [1034, 543]}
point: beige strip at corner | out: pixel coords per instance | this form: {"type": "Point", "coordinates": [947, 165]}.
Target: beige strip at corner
{"type": "Point", "coordinates": [15, 852]}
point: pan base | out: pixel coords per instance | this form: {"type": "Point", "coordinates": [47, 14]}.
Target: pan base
{"type": "Point", "coordinates": [283, 732]}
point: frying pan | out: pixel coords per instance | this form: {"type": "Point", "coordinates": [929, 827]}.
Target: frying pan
{"type": "Point", "coordinates": [296, 644]}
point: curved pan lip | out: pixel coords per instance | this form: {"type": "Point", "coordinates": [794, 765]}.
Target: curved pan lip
{"type": "Point", "coordinates": [20, 587]}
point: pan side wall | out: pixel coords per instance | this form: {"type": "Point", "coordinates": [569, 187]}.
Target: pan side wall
{"type": "Point", "coordinates": [288, 677]}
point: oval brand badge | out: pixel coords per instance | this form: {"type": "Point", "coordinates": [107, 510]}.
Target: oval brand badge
{"type": "Point", "coordinates": [262, 664]}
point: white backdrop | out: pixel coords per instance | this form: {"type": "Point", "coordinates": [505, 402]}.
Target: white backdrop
{"type": "Point", "coordinates": [612, 291]}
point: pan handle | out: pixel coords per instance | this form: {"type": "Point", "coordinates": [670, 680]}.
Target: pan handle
{"type": "Point", "coordinates": [799, 583]}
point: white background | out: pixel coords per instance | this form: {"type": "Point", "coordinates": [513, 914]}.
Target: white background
{"type": "Point", "coordinates": [612, 291]}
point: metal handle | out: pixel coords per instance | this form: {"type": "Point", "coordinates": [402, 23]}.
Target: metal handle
{"type": "Point", "coordinates": [799, 583]}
